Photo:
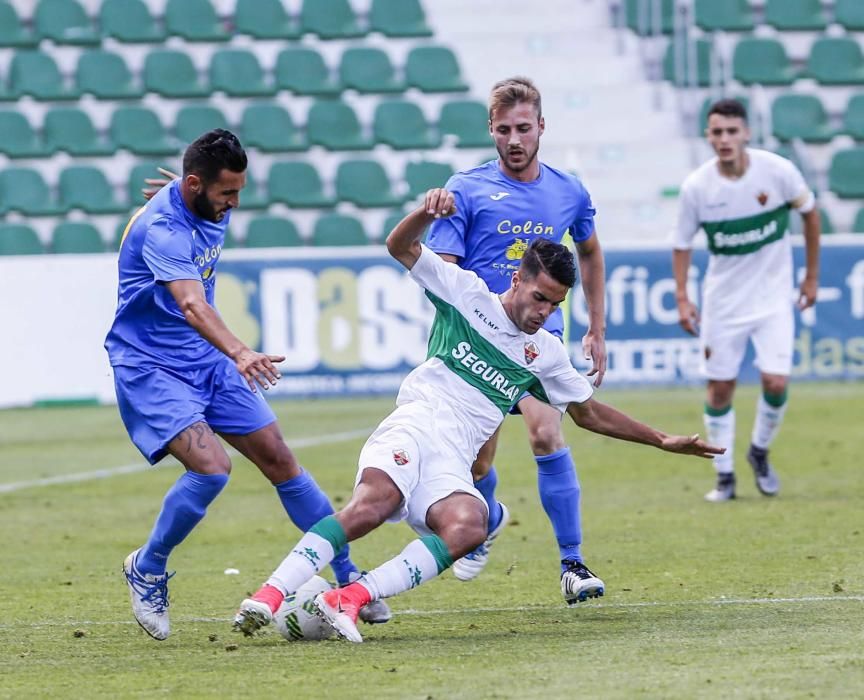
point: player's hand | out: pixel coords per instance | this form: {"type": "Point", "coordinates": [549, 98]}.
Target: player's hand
{"type": "Point", "coordinates": [807, 293]}
{"type": "Point", "coordinates": [688, 316]}
{"type": "Point", "coordinates": [594, 349]}
{"type": "Point", "coordinates": [692, 445]}
{"type": "Point", "coordinates": [439, 203]}
{"type": "Point", "coordinates": [256, 367]}
{"type": "Point", "coordinates": [157, 183]}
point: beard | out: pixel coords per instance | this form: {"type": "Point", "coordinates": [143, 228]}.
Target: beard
{"type": "Point", "coordinates": [204, 209]}
{"type": "Point", "coordinates": [527, 159]}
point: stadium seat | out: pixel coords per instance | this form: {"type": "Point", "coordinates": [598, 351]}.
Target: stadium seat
{"type": "Point", "coordinates": [844, 174]}
{"type": "Point", "coordinates": [298, 185]}
{"type": "Point", "coordinates": [338, 230]}
{"type": "Point", "coordinates": [129, 21]}
{"type": "Point", "coordinates": [730, 15]}
{"type": "Point", "coordinates": [825, 220]}
{"type": "Point", "coordinates": [36, 74]}
{"type": "Point", "coordinates": [795, 15]}
{"type": "Point", "coordinates": [85, 187]}
{"type": "Point", "coordinates": [858, 224]}
{"type": "Point", "coordinates": [135, 180]}
{"type": "Point", "coordinates": [23, 190]}
{"type": "Point", "coordinates": [365, 184]}
{"type": "Point", "coordinates": [194, 120]}
{"type": "Point", "coordinates": [762, 62]}
{"type": "Point", "coordinates": [642, 24]}
{"type": "Point", "coordinates": [853, 117]}
{"type": "Point", "coordinates": [849, 14]}
{"type": "Point", "coordinates": [194, 20]}
{"type": "Point", "coordinates": [468, 121]}
{"type": "Point", "coordinates": [13, 33]}
{"type": "Point", "coordinates": [401, 125]}
{"type": "Point", "coordinates": [801, 117]}
{"type": "Point", "coordinates": [680, 75]}
{"type": "Point", "coordinates": [264, 19]}
{"type": "Point", "coordinates": [433, 69]}
{"type": "Point", "coordinates": [425, 175]}
{"type": "Point", "coordinates": [69, 129]}
{"type": "Point", "coordinates": [368, 70]}
{"type": "Point", "coordinates": [139, 130]}
{"type": "Point", "coordinates": [836, 61]}
{"type": "Point", "coordinates": [330, 19]}
{"type": "Point", "coordinates": [18, 139]}
{"type": "Point", "coordinates": [335, 126]}
{"type": "Point", "coordinates": [706, 107]}
{"type": "Point", "coordinates": [303, 71]}
{"type": "Point", "coordinates": [272, 232]}
{"type": "Point", "coordinates": [64, 22]}
{"type": "Point", "coordinates": [172, 74]}
{"type": "Point", "coordinates": [18, 239]}
{"type": "Point", "coordinates": [237, 73]}
{"type": "Point", "coordinates": [76, 237]}
{"type": "Point", "coordinates": [105, 75]}
{"type": "Point", "coordinates": [269, 128]}
{"type": "Point", "coordinates": [252, 197]}
{"type": "Point", "coordinates": [389, 223]}
{"type": "Point", "coordinates": [398, 18]}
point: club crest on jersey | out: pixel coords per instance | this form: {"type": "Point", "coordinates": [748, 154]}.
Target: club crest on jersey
{"type": "Point", "coordinates": [401, 457]}
{"type": "Point", "coordinates": [531, 351]}
{"type": "Point", "coordinates": [762, 198]}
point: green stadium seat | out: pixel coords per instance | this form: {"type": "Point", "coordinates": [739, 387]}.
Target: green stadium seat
{"type": "Point", "coordinates": [853, 117]}
{"type": "Point", "coordinates": [401, 125]}
{"type": "Point", "coordinates": [272, 232]}
{"type": "Point", "coordinates": [330, 19]}
{"type": "Point", "coordinates": [801, 117]}
{"type": "Point", "coordinates": [194, 20]}
{"type": "Point", "coordinates": [844, 174]}
{"type": "Point", "coordinates": [237, 73]}
{"type": "Point", "coordinates": [727, 15]}
{"type": "Point", "coordinates": [172, 74]}
{"type": "Point", "coordinates": [13, 33]}
{"type": "Point", "coordinates": [194, 120]}
{"type": "Point", "coordinates": [297, 184]}
{"type": "Point", "coordinates": [64, 22]}
{"type": "Point", "coordinates": [762, 62]}
{"type": "Point", "coordinates": [425, 175]}
{"type": "Point", "coordinates": [335, 126]}
{"type": "Point", "coordinates": [76, 237]}
{"type": "Point", "coordinates": [795, 15]}
{"type": "Point", "coordinates": [269, 128]}
{"type": "Point", "coordinates": [23, 190]}
{"type": "Point", "coordinates": [139, 130]}
{"type": "Point", "coordinates": [836, 61]}
{"type": "Point", "coordinates": [642, 24]}
{"type": "Point", "coordinates": [85, 187]}
{"type": "Point", "coordinates": [433, 69]}
{"type": "Point", "coordinates": [680, 75]}
{"type": "Point", "coordinates": [252, 198]}
{"type": "Point", "coordinates": [264, 19]}
{"type": "Point", "coordinates": [788, 151]}
{"type": "Point", "coordinates": [69, 129]}
{"type": "Point", "coordinates": [105, 75]}
{"type": "Point", "coordinates": [338, 230]}
{"type": "Point", "coordinates": [858, 224]}
{"type": "Point", "coordinates": [706, 107]}
{"type": "Point", "coordinates": [18, 139]}
{"type": "Point", "coordinates": [18, 239]}
{"type": "Point", "coordinates": [303, 71]}
{"type": "Point", "coordinates": [849, 14]}
{"type": "Point", "coordinates": [135, 180]}
{"type": "Point", "coordinates": [365, 184]}
{"type": "Point", "coordinates": [398, 18]}
{"type": "Point", "coordinates": [36, 74]}
{"type": "Point", "coordinates": [468, 121]}
{"type": "Point", "coordinates": [389, 223]}
{"type": "Point", "coordinates": [825, 220]}
{"type": "Point", "coordinates": [368, 70]}
{"type": "Point", "coordinates": [129, 21]}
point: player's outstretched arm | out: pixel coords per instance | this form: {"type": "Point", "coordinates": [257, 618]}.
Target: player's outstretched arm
{"type": "Point", "coordinates": [601, 418]}
{"type": "Point", "coordinates": [403, 243]}
{"type": "Point", "coordinates": [157, 183]}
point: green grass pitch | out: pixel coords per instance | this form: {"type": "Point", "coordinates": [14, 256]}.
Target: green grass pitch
{"type": "Point", "coordinates": [758, 598]}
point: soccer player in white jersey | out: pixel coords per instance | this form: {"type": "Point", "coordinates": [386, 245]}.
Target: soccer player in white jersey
{"type": "Point", "coordinates": [485, 351]}
{"type": "Point", "coordinates": [741, 199]}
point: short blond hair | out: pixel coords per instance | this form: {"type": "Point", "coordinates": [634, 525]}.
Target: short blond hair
{"type": "Point", "coordinates": [510, 92]}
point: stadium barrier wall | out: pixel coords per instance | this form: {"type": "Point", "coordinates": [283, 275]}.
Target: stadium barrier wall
{"type": "Point", "coordinates": [350, 321]}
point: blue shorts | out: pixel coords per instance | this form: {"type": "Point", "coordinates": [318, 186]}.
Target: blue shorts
{"type": "Point", "coordinates": [158, 403]}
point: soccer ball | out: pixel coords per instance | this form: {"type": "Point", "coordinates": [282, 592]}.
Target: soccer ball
{"type": "Point", "coordinates": [296, 620]}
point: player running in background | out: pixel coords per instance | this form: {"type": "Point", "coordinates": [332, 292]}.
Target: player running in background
{"type": "Point", "coordinates": [742, 200]}
{"type": "Point", "coordinates": [485, 351]}
{"type": "Point", "coordinates": [182, 376]}
{"type": "Point", "coordinates": [500, 208]}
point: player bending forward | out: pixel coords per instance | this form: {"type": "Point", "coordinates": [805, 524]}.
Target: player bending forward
{"type": "Point", "coordinates": [485, 351]}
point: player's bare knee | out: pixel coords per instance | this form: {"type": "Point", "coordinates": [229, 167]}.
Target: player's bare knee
{"type": "Point", "coordinates": [774, 383]}
{"type": "Point", "coordinates": [480, 468]}
{"type": "Point", "coordinates": [462, 527]}
{"type": "Point", "coordinates": [546, 438]}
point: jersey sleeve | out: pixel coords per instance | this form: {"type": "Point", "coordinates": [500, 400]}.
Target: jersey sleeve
{"type": "Point", "coordinates": [583, 226]}
{"type": "Point", "coordinates": [447, 235]}
{"type": "Point", "coordinates": [794, 188]}
{"type": "Point", "coordinates": [447, 281]}
{"type": "Point", "coordinates": [168, 253]}
{"type": "Point", "coordinates": [688, 219]}
{"type": "Point", "coordinates": [561, 383]}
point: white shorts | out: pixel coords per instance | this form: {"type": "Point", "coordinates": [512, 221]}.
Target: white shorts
{"type": "Point", "coordinates": [424, 469]}
{"type": "Point", "coordinates": [724, 344]}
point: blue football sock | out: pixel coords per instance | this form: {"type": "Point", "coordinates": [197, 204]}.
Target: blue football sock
{"type": "Point", "coordinates": [184, 505]}
{"type": "Point", "coordinates": [306, 504]}
{"type": "Point", "coordinates": [559, 494]}
{"type": "Point", "coordinates": [486, 486]}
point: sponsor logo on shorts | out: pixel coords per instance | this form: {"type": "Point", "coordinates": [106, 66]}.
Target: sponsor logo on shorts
{"type": "Point", "coordinates": [401, 457]}
{"type": "Point", "coordinates": [531, 351]}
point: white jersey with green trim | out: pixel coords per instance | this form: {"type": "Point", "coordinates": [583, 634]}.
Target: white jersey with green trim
{"type": "Point", "coordinates": [479, 363]}
{"type": "Point", "coordinates": [747, 224]}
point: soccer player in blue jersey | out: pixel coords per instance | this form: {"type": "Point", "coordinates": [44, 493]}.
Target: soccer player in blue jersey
{"type": "Point", "coordinates": [182, 376]}
{"type": "Point", "coordinates": [501, 207]}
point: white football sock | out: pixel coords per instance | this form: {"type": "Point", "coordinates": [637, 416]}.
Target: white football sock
{"type": "Point", "coordinates": [767, 423]}
{"type": "Point", "coordinates": [311, 554]}
{"type": "Point", "coordinates": [414, 565]}
{"type": "Point", "coordinates": [720, 431]}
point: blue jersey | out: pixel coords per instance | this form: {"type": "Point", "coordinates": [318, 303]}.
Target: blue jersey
{"type": "Point", "coordinates": [498, 217]}
{"type": "Point", "coordinates": [163, 242]}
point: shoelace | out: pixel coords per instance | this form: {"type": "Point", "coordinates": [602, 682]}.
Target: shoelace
{"type": "Point", "coordinates": [579, 569]}
{"type": "Point", "coordinates": [154, 593]}
{"type": "Point", "coordinates": [761, 464]}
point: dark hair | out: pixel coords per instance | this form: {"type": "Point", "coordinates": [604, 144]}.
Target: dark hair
{"type": "Point", "coordinates": [729, 108]}
{"type": "Point", "coordinates": [552, 258]}
{"type": "Point", "coordinates": [213, 152]}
